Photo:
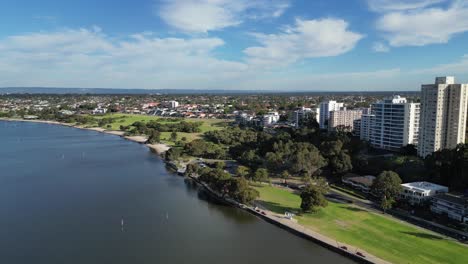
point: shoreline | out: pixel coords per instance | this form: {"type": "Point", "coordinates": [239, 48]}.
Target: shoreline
{"type": "Point", "coordinates": [296, 229]}
{"type": "Point", "coordinates": [158, 148]}
{"type": "Point", "coordinates": [289, 225]}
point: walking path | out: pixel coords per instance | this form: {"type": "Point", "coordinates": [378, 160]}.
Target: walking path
{"type": "Point", "coordinates": [292, 225]}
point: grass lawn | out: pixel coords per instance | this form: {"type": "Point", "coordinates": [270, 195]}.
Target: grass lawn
{"type": "Point", "coordinates": [128, 119]}
{"type": "Point", "coordinates": [381, 236]}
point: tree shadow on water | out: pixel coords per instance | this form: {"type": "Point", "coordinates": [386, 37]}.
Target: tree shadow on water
{"type": "Point", "coordinates": [423, 235]}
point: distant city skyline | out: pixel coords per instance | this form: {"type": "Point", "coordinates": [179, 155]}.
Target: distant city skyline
{"type": "Point", "coordinates": [282, 45]}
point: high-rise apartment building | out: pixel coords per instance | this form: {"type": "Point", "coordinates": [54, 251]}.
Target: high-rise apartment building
{"type": "Point", "coordinates": [343, 119]}
{"type": "Point", "coordinates": [325, 109]}
{"type": "Point", "coordinates": [366, 121]}
{"type": "Point", "coordinates": [395, 123]}
{"type": "Point", "coordinates": [443, 115]}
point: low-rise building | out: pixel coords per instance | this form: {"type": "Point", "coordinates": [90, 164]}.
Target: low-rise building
{"type": "Point", "coordinates": [361, 183]}
{"type": "Point", "coordinates": [417, 193]}
{"type": "Point", "coordinates": [271, 118]}
{"type": "Point", "coordinates": [454, 206]}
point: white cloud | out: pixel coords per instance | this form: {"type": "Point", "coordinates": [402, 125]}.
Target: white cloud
{"type": "Point", "coordinates": [424, 25]}
{"type": "Point", "coordinates": [400, 5]}
{"type": "Point", "coordinates": [89, 58]}
{"type": "Point", "coordinates": [306, 39]}
{"type": "Point", "coordinates": [457, 68]}
{"type": "Point", "coordinates": [201, 16]}
{"type": "Point", "coordinates": [380, 47]}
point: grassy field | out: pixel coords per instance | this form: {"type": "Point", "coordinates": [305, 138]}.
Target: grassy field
{"type": "Point", "coordinates": [381, 236]}
{"type": "Point", "coordinates": [129, 119]}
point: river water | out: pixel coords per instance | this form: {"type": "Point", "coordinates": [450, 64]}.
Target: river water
{"type": "Point", "coordinates": [65, 192]}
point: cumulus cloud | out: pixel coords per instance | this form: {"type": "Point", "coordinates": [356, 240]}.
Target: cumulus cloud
{"type": "Point", "coordinates": [89, 58]}
{"type": "Point", "coordinates": [201, 16]}
{"type": "Point", "coordinates": [306, 39]}
{"type": "Point", "coordinates": [424, 24]}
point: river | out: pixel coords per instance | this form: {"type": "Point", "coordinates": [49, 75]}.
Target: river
{"type": "Point", "coordinates": [65, 192]}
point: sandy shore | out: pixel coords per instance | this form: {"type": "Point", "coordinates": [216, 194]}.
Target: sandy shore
{"type": "Point", "coordinates": [158, 148]}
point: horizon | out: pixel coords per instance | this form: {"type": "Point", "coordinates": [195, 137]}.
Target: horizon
{"type": "Point", "coordinates": [369, 45]}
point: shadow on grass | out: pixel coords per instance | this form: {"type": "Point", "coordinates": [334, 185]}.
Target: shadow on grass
{"type": "Point", "coordinates": [277, 208]}
{"type": "Point", "coordinates": [423, 235]}
{"type": "Point", "coordinates": [354, 209]}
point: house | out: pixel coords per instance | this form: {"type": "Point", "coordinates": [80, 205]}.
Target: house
{"type": "Point", "coordinates": [418, 192]}
{"type": "Point", "coordinates": [454, 206]}
{"type": "Point", "coordinates": [361, 183]}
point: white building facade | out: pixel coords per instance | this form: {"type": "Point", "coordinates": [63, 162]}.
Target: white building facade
{"type": "Point", "coordinates": [395, 123]}
{"type": "Point", "coordinates": [325, 109]}
{"type": "Point", "coordinates": [364, 132]}
{"type": "Point", "coordinates": [443, 115]}
{"type": "Point", "coordinates": [417, 193]}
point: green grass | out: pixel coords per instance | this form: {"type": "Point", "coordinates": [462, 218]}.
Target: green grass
{"type": "Point", "coordinates": [129, 119]}
{"type": "Point", "coordinates": [379, 235]}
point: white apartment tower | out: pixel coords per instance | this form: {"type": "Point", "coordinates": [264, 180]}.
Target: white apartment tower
{"type": "Point", "coordinates": [325, 109]}
{"type": "Point", "coordinates": [364, 131]}
{"type": "Point", "coordinates": [394, 123]}
{"type": "Point", "coordinates": [443, 115]}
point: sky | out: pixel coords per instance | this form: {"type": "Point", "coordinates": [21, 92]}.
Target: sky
{"type": "Point", "coordinates": [279, 45]}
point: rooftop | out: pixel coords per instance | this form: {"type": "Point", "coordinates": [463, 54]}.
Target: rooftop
{"type": "Point", "coordinates": [453, 198]}
{"type": "Point", "coordinates": [424, 186]}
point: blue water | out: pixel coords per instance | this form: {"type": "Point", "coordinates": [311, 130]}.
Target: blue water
{"type": "Point", "coordinates": [65, 191]}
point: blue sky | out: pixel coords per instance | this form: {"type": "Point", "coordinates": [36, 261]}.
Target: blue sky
{"type": "Point", "coordinates": [223, 44]}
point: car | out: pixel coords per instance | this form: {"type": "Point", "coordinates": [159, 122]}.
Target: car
{"type": "Point", "coordinates": [344, 247]}
{"type": "Point", "coordinates": [360, 254]}
{"type": "Point", "coordinates": [263, 213]}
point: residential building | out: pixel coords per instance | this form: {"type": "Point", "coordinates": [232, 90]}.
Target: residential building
{"type": "Point", "coordinates": [357, 128]}
{"type": "Point", "coordinates": [344, 119]}
{"type": "Point", "coordinates": [443, 115]}
{"type": "Point", "coordinates": [325, 109]}
{"type": "Point", "coordinates": [419, 192]}
{"type": "Point", "coordinates": [270, 118]}
{"type": "Point", "coordinates": [301, 115]}
{"type": "Point", "coordinates": [395, 123]}
{"type": "Point", "coordinates": [170, 104]}
{"type": "Point", "coordinates": [365, 129]}
{"type": "Point", "coordinates": [454, 206]}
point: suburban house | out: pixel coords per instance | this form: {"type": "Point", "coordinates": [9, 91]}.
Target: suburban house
{"type": "Point", "coordinates": [418, 192]}
{"type": "Point", "coordinates": [361, 183]}
{"type": "Point", "coordinates": [454, 206]}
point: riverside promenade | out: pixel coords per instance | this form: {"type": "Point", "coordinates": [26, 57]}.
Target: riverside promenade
{"type": "Point", "coordinates": [292, 226]}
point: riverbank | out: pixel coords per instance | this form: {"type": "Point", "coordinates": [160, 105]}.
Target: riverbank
{"type": "Point", "coordinates": [268, 216]}
{"type": "Point", "coordinates": [159, 148]}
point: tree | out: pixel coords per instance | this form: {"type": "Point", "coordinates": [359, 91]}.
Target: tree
{"type": "Point", "coordinates": [220, 165]}
{"type": "Point", "coordinates": [174, 136]}
{"type": "Point", "coordinates": [261, 174]}
{"type": "Point", "coordinates": [242, 171]}
{"type": "Point", "coordinates": [154, 137]}
{"type": "Point", "coordinates": [285, 175]}
{"type": "Point", "coordinates": [386, 204]}
{"type": "Point", "coordinates": [387, 186]}
{"type": "Point", "coordinates": [173, 154]}
{"type": "Point", "coordinates": [312, 199]}
{"type": "Point", "coordinates": [341, 163]}
{"type": "Point", "coordinates": [242, 192]}
{"type": "Point", "coordinates": [191, 168]}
